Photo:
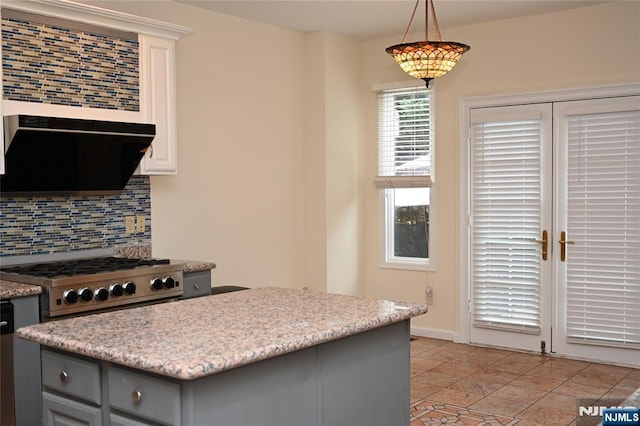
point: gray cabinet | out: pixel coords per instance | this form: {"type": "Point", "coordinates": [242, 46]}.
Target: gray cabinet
{"type": "Point", "coordinates": [60, 411]}
{"type": "Point", "coordinates": [197, 284]}
{"type": "Point", "coordinates": [26, 363]}
{"type": "Point", "coordinates": [144, 396]}
{"type": "Point", "coordinates": [116, 420]}
{"type": "Point", "coordinates": [357, 380]}
{"type": "Point", "coordinates": [74, 377]}
{"type": "Point", "coordinates": [73, 394]}
{"type": "Point", "coordinates": [71, 391]}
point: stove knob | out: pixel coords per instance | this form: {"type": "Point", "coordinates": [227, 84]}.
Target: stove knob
{"type": "Point", "coordinates": [116, 289]}
{"type": "Point", "coordinates": [156, 284]}
{"type": "Point", "coordinates": [101, 294]}
{"type": "Point", "coordinates": [70, 296]}
{"type": "Point", "coordinates": [85, 294]}
{"type": "Point", "coordinates": [169, 282]}
{"type": "Point", "coordinates": [129, 287]}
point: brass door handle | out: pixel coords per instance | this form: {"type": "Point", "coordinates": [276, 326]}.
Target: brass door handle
{"type": "Point", "coordinates": [563, 245]}
{"type": "Point", "coordinates": [545, 244]}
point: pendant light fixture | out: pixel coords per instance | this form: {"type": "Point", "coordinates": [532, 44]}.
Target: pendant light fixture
{"type": "Point", "coordinates": [427, 59]}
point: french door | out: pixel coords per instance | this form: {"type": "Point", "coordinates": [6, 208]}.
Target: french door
{"type": "Point", "coordinates": [554, 228]}
{"type": "Point", "coordinates": [510, 218]}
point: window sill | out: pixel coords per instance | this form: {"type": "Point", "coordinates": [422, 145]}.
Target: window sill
{"type": "Point", "coordinates": [408, 265]}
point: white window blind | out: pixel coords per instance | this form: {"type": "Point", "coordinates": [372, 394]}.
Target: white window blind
{"type": "Point", "coordinates": [404, 138]}
{"type": "Point", "coordinates": [506, 205]}
{"type": "Point", "coordinates": [603, 264]}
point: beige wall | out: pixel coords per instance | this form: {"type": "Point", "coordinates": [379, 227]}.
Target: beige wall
{"type": "Point", "coordinates": [344, 139]}
{"type": "Point", "coordinates": [277, 142]}
{"type": "Point", "coordinates": [595, 45]}
{"type": "Point", "coordinates": [333, 142]}
{"type": "Point", "coordinates": [240, 189]}
{"type": "Point", "coordinates": [315, 164]}
{"type": "Point", "coordinates": [239, 197]}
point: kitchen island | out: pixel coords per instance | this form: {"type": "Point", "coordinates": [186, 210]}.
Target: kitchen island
{"type": "Point", "coordinates": [267, 356]}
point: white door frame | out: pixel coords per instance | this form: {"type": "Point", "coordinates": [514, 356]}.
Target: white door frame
{"type": "Point", "coordinates": [466, 104]}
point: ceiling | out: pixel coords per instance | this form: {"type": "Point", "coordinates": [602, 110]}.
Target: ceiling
{"type": "Point", "coordinates": [369, 19]}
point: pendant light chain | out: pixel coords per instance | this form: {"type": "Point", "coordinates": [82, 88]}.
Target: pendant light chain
{"type": "Point", "coordinates": [413, 14]}
{"type": "Point", "coordinates": [428, 5]}
{"type": "Point", "coordinates": [426, 20]}
{"type": "Point", "coordinates": [436, 27]}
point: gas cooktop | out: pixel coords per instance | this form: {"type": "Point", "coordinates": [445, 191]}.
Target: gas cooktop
{"type": "Point", "coordinates": [95, 265]}
{"type": "Point", "coordinates": [98, 283]}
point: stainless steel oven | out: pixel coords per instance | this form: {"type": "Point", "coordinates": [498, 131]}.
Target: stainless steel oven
{"type": "Point", "coordinates": [94, 284]}
{"type": "Point", "coordinates": [71, 287]}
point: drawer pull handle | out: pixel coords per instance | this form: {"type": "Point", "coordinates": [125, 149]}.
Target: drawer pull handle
{"type": "Point", "coordinates": [64, 377]}
{"type": "Point", "coordinates": [196, 286]}
{"type": "Point", "coordinates": [136, 396]}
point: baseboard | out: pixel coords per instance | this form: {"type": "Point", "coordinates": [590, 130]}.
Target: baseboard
{"type": "Point", "coordinates": [434, 333]}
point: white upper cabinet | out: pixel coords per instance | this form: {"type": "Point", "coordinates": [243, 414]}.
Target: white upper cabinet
{"type": "Point", "coordinates": [158, 103]}
{"type": "Point", "coordinates": [157, 77]}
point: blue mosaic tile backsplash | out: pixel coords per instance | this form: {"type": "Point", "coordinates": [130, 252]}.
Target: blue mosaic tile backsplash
{"type": "Point", "coordinates": [43, 225]}
{"type": "Point", "coordinates": [54, 65]}
{"type": "Point", "coordinates": [64, 66]}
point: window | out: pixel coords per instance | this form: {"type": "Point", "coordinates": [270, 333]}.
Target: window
{"type": "Point", "coordinates": [404, 176]}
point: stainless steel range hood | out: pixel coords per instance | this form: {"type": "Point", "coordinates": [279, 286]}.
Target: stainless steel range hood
{"type": "Point", "coordinates": [49, 155]}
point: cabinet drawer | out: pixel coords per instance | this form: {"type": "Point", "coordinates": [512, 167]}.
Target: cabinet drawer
{"type": "Point", "coordinates": [72, 376]}
{"type": "Point", "coordinates": [144, 396]}
{"type": "Point", "coordinates": [197, 284]}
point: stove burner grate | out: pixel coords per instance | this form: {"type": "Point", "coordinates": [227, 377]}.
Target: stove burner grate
{"type": "Point", "coordinates": [67, 268]}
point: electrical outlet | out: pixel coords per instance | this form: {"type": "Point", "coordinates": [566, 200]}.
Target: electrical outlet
{"type": "Point", "coordinates": [129, 224]}
{"type": "Point", "coordinates": [429, 295]}
{"type": "Point", "coordinates": [140, 224]}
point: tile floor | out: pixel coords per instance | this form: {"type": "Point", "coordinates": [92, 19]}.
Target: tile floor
{"type": "Point", "coordinates": [460, 384]}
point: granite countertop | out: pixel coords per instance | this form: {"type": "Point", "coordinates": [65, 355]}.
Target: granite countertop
{"type": "Point", "coordinates": [197, 337]}
{"type": "Point", "coordinates": [11, 290]}
{"type": "Point", "coordinates": [144, 252]}
{"type": "Point", "coordinates": [195, 266]}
